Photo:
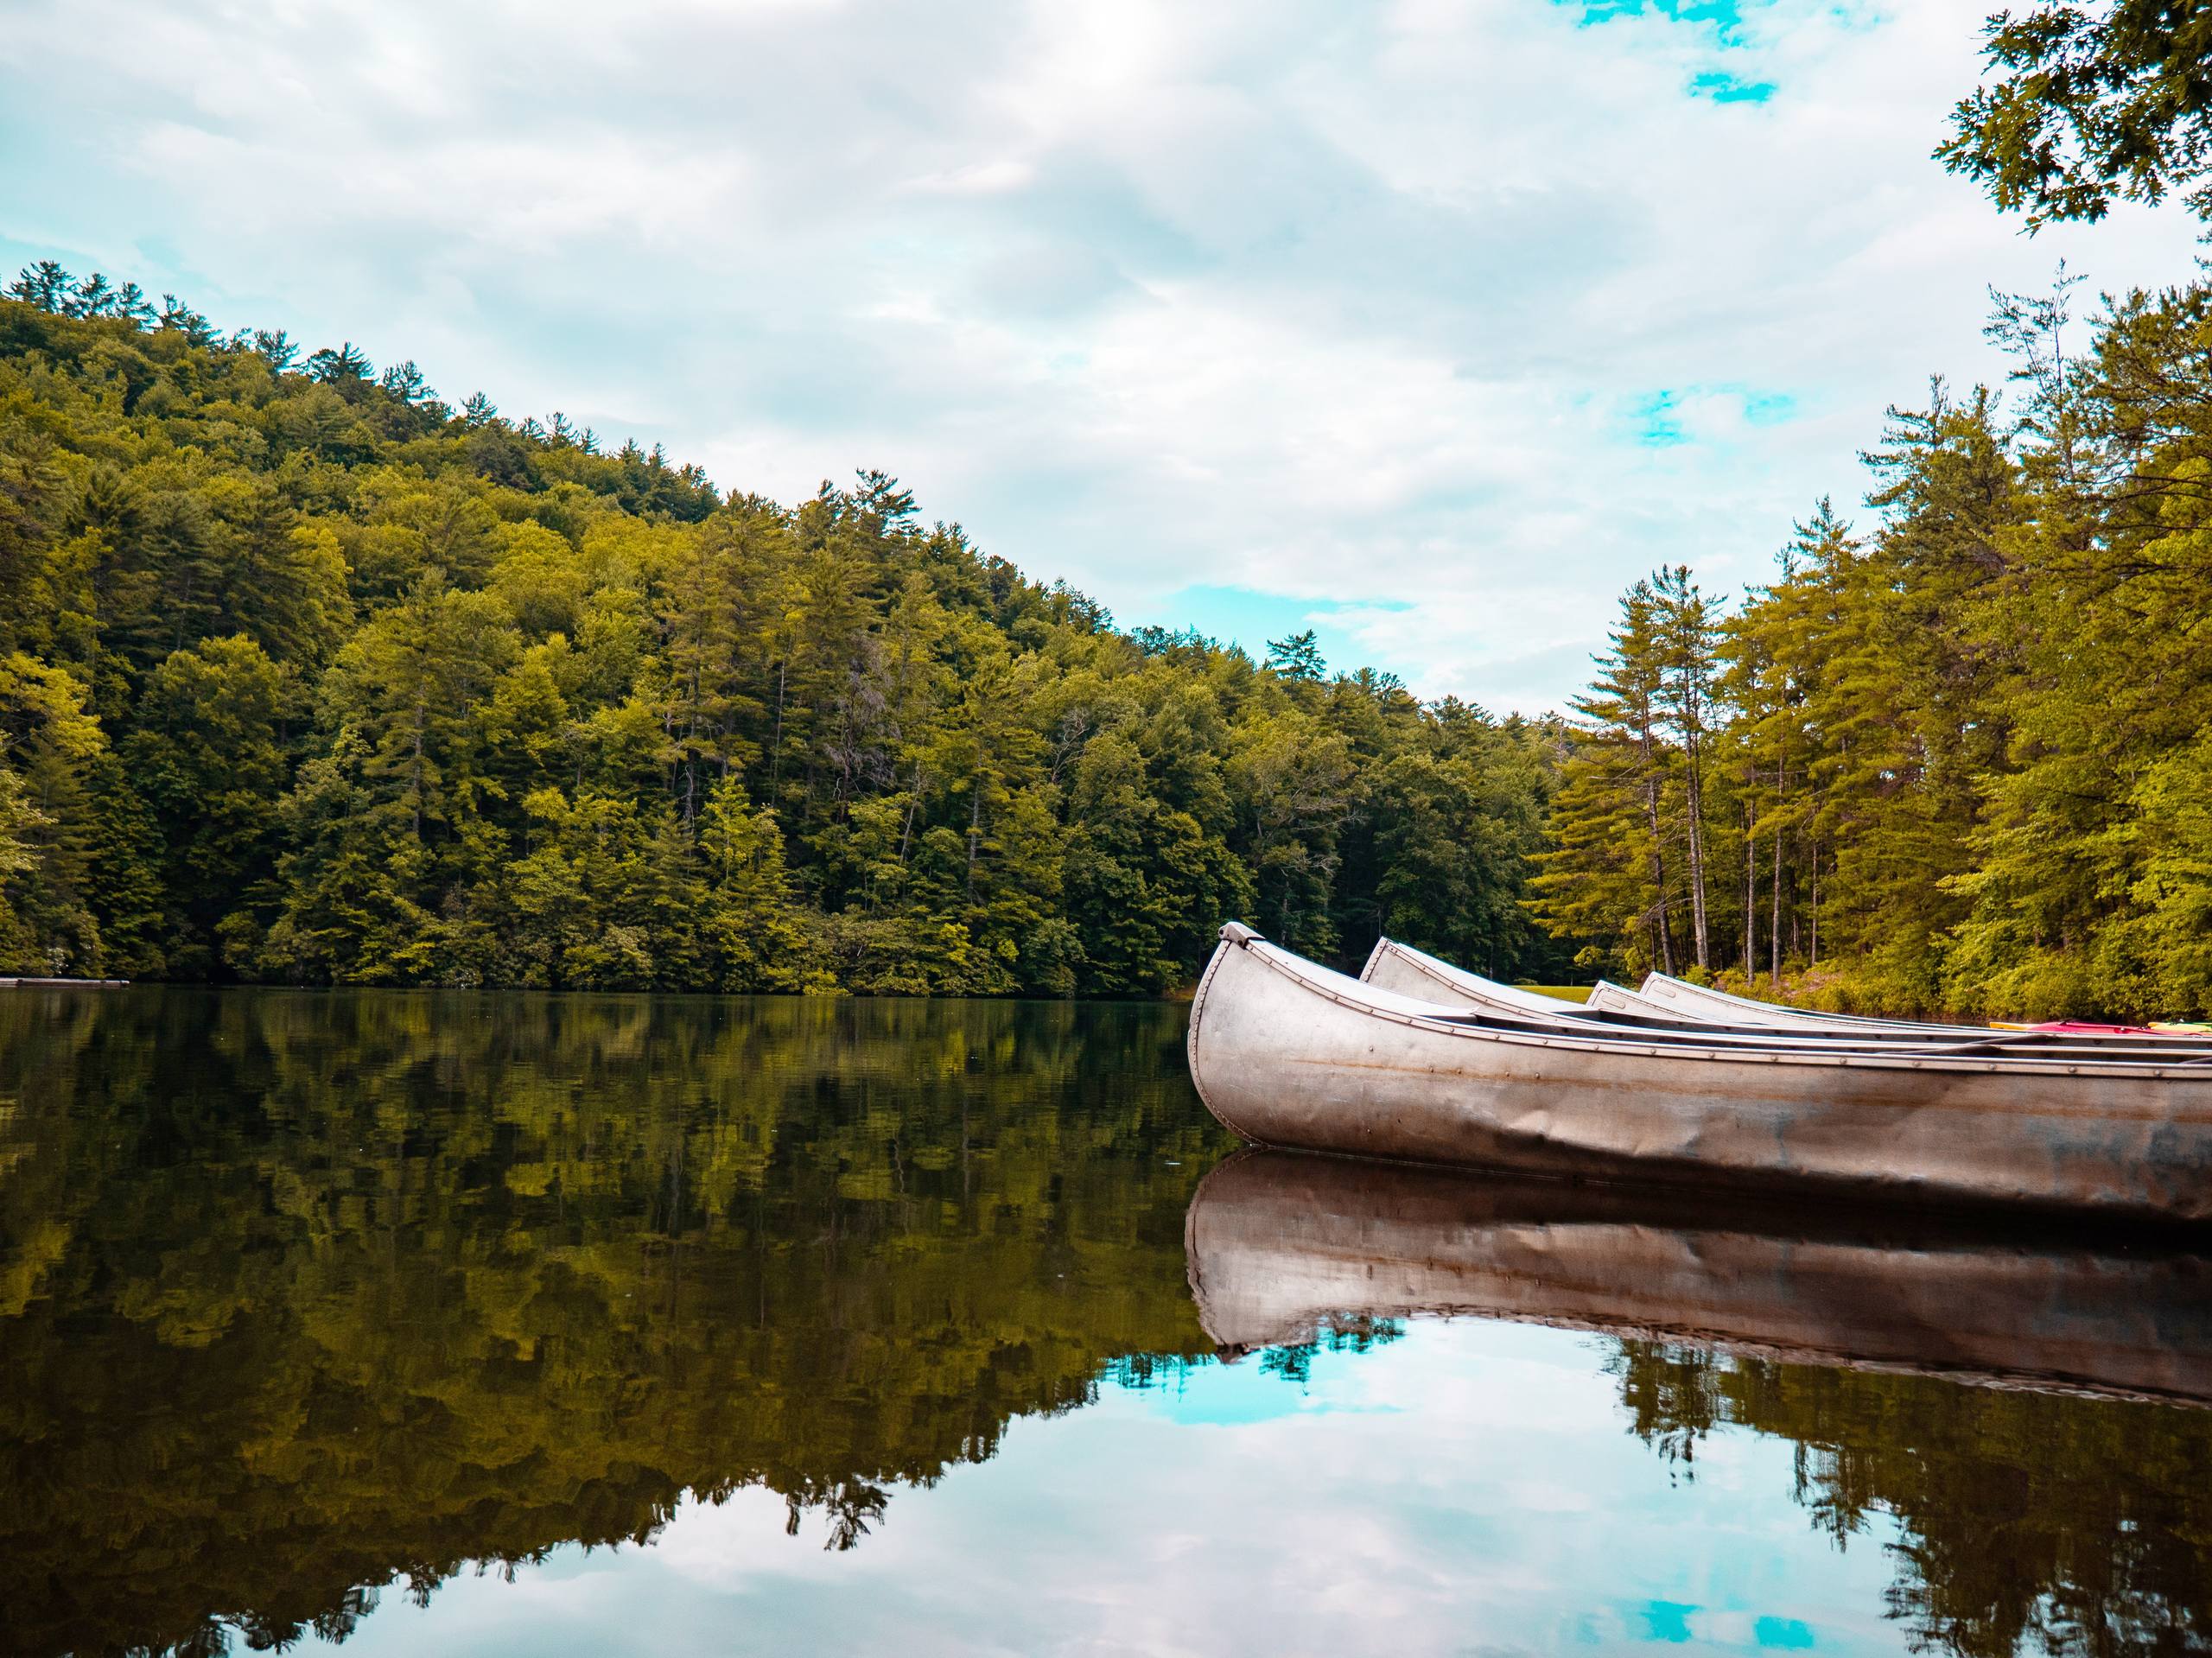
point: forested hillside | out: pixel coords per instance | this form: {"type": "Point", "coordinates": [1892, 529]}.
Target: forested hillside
{"type": "Point", "coordinates": [308, 676]}
{"type": "Point", "coordinates": [1958, 755]}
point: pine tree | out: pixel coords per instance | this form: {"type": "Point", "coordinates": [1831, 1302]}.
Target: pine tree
{"type": "Point", "coordinates": [1687, 635]}
{"type": "Point", "coordinates": [1609, 877]}
{"type": "Point", "coordinates": [749, 924]}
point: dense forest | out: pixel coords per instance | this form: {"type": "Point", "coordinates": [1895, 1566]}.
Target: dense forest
{"type": "Point", "coordinates": [307, 676]}
{"type": "Point", "coordinates": [1959, 757]}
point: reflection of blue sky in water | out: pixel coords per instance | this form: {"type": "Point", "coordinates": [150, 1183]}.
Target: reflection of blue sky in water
{"type": "Point", "coordinates": [1470, 1487]}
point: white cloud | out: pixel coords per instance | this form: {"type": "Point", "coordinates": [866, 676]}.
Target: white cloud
{"type": "Point", "coordinates": [1373, 309]}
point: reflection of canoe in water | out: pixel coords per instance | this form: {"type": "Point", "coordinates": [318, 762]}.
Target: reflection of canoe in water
{"type": "Point", "coordinates": [1282, 1247]}
{"type": "Point", "coordinates": [1287, 1053]}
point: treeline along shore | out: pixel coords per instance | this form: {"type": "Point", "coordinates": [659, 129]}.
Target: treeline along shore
{"type": "Point", "coordinates": [1955, 758]}
{"type": "Point", "coordinates": [308, 676]}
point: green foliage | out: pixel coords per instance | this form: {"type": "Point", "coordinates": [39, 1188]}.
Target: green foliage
{"type": "Point", "coordinates": [1959, 761]}
{"type": "Point", "coordinates": [306, 677]}
{"type": "Point", "coordinates": [2094, 104]}
{"type": "Point", "coordinates": [20, 823]}
{"type": "Point", "coordinates": [1616, 872]}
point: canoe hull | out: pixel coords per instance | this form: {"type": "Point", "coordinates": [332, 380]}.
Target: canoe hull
{"type": "Point", "coordinates": [1282, 1248]}
{"type": "Point", "coordinates": [1287, 1054]}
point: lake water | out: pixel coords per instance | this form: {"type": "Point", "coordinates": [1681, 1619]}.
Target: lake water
{"type": "Point", "coordinates": [409, 1323]}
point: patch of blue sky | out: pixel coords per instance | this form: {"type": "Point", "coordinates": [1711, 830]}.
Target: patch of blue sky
{"type": "Point", "coordinates": [1666, 1620]}
{"type": "Point", "coordinates": [1251, 617]}
{"type": "Point", "coordinates": [1724, 88]}
{"type": "Point", "coordinates": [1723, 19]}
{"type": "Point", "coordinates": [1254, 1389]}
{"type": "Point", "coordinates": [15, 255]}
{"type": "Point", "coordinates": [1656, 419]}
{"type": "Point", "coordinates": [1657, 426]}
{"type": "Point", "coordinates": [1725, 16]}
{"type": "Point", "coordinates": [1782, 1633]}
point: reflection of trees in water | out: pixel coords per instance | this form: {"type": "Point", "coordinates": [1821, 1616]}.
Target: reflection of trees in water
{"type": "Point", "coordinates": [1669, 1392]}
{"type": "Point", "coordinates": [304, 1294]}
{"type": "Point", "coordinates": [851, 1507]}
{"type": "Point", "coordinates": [2028, 1521]}
{"type": "Point", "coordinates": [1350, 1333]}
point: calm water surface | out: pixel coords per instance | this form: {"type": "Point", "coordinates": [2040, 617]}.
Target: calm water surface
{"type": "Point", "coordinates": [428, 1323]}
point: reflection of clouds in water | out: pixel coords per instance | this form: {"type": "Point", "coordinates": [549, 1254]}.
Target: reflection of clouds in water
{"type": "Point", "coordinates": [1467, 1486]}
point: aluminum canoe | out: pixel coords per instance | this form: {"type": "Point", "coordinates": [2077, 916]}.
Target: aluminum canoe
{"type": "Point", "coordinates": [1395, 966]}
{"type": "Point", "coordinates": [1697, 1002]}
{"type": "Point", "coordinates": [1409, 972]}
{"type": "Point", "coordinates": [1286, 1052]}
{"type": "Point", "coordinates": [1282, 1248]}
{"type": "Point", "coordinates": [1400, 967]}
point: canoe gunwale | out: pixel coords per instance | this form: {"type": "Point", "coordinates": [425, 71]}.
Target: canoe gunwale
{"type": "Point", "coordinates": [1662, 1021]}
{"type": "Point", "coordinates": [1707, 1001]}
{"type": "Point", "coordinates": [1608, 998]}
{"type": "Point", "coordinates": [1568, 1012]}
{"type": "Point", "coordinates": [1780, 1012]}
{"type": "Point", "coordinates": [1618, 1002]}
{"type": "Point", "coordinates": [1816, 1054]}
{"type": "Point", "coordinates": [1877, 1037]}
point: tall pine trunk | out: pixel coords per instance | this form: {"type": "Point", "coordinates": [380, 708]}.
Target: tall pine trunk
{"type": "Point", "coordinates": [1686, 640]}
{"type": "Point", "coordinates": [1694, 793]}
{"type": "Point", "coordinates": [1658, 859]}
{"type": "Point", "coordinates": [1751, 896]}
{"type": "Point", "coordinates": [975, 832]}
{"type": "Point", "coordinates": [1776, 958]}
{"type": "Point", "coordinates": [1813, 956]}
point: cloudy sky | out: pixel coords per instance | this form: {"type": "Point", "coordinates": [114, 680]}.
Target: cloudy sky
{"type": "Point", "coordinates": [1426, 324]}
